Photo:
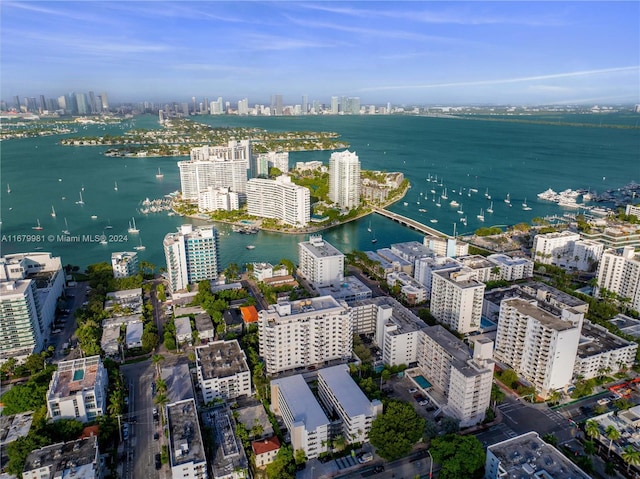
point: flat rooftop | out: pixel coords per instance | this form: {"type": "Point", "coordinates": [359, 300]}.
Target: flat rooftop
{"type": "Point", "coordinates": [412, 250]}
{"type": "Point", "coordinates": [595, 340]}
{"type": "Point", "coordinates": [229, 454]}
{"type": "Point", "coordinates": [546, 319]}
{"type": "Point", "coordinates": [14, 426]}
{"type": "Point", "coordinates": [533, 287]}
{"type": "Point", "coordinates": [319, 248]}
{"type": "Point", "coordinates": [118, 321]}
{"type": "Point", "coordinates": [384, 263]}
{"type": "Point", "coordinates": [350, 287]}
{"type": "Point", "coordinates": [178, 380]}
{"type": "Point", "coordinates": [455, 347]}
{"type": "Point", "coordinates": [389, 255]}
{"type": "Point", "coordinates": [221, 359]}
{"type": "Point", "coordinates": [457, 277]}
{"type": "Point", "coordinates": [73, 376]}
{"type": "Point", "coordinates": [346, 391]}
{"type": "Point", "coordinates": [302, 403]}
{"type": "Point", "coordinates": [527, 456]}
{"type": "Point", "coordinates": [508, 260]}
{"type": "Point", "coordinates": [61, 458]}
{"type": "Point", "coordinates": [400, 316]}
{"type": "Point", "coordinates": [475, 261]}
{"type": "Point", "coordinates": [184, 433]}
{"type": "Point", "coordinates": [320, 303]}
{"type": "Point", "coordinates": [627, 325]}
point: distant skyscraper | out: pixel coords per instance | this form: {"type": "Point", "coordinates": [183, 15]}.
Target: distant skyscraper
{"type": "Point", "coordinates": [93, 108]}
{"type": "Point", "coordinates": [243, 107]}
{"type": "Point", "coordinates": [279, 108]}
{"type": "Point", "coordinates": [105, 101]}
{"type": "Point", "coordinates": [43, 103]}
{"type": "Point", "coordinates": [62, 102]}
{"type": "Point", "coordinates": [81, 102]}
{"type": "Point", "coordinates": [344, 179]}
{"type": "Point", "coordinates": [305, 104]}
{"type": "Point", "coordinates": [16, 102]}
{"type": "Point", "coordinates": [334, 105]}
{"type": "Point", "coordinates": [191, 255]}
{"type": "Point", "coordinates": [193, 108]}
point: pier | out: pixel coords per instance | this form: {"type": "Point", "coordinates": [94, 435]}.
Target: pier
{"type": "Point", "coordinates": [410, 223]}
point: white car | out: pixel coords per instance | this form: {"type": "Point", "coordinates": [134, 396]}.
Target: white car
{"type": "Point", "coordinates": [604, 401]}
{"type": "Point", "coordinates": [413, 390]}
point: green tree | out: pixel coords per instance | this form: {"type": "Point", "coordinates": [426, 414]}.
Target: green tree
{"type": "Point", "coordinates": [394, 432]}
{"type": "Point", "coordinates": [612, 434]}
{"type": "Point", "coordinates": [300, 457]}
{"type": "Point", "coordinates": [497, 395]}
{"type": "Point", "coordinates": [156, 359]}
{"type": "Point", "coordinates": [283, 467]}
{"type": "Point", "coordinates": [34, 363]}
{"type": "Point", "coordinates": [509, 378]}
{"type": "Point", "coordinates": [592, 429]}
{"type": "Point", "coordinates": [631, 456]}
{"type": "Point", "coordinates": [460, 456]}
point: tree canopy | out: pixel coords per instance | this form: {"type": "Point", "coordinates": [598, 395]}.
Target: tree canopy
{"type": "Point", "coordinates": [460, 456]}
{"type": "Point", "coordinates": [394, 432]}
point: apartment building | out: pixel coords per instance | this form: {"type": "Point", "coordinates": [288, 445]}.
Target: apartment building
{"type": "Point", "coordinates": [424, 268]}
{"type": "Point", "coordinates": [272, 159]}
{"type": "Point", "coordinates": [511, 269]}
{"type": "Point", "coordinates": [306, 332]}
{"type": "Point", "coordinates": [549, 248]}
{"type": "Point", "coordinates": [214, 198]}
{"type": "Point", "coordinates": [463, 378]}
{"type": "Point", "coordinates": [279, 199]}
{"type": "Point", "coordinates": [538, 344]}
{"type": "Point", "coordinates": [343, 397]}
{"type": "Point", "coordinates": [412, 291]}
{"type": "Point", "coordinates": [483, 269]}
{"type": "Point", "coordinates": [191, 255]}
{"type": "Point", "coordinates": [78, 390]}
{"type": "Point", "coordinates": [456, 299]}
{"type": "Point", "coordinates": [602, 352]}
{"type": "Point", "coordinates": [187, 458]}
{"type": "Point", "coordinates": [308, 425]}
{"type": "Point", "coordinates": [344, 179]}
{"type": "Point", "coordinates": [619, 273]}
{"type": "Point", "coordinates": [125, 264]}
{"type": "Point", "coordinates": [446, 247]}
{"type": "Point", "coordinates": [319, 262]}
{"type": "Point", "coordinates": [397, 331]}
{"type": "Point", "coordinates": [223, 372]}
{"type": "Point", "coordinates": [74, 459]}
{"type": "Point", "coordinates": [411, 251]}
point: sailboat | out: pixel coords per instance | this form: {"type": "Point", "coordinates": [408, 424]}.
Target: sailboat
{"type": "Point", "coordinates": [460, 211]}
{"type": "Point", "coordinates": [37, 227]}
{"type": "Point", "coordinates": [487, 195]}
{"type": "Point", "coordinates": [159, 174]}
{"type": "Point", "coordinates": [81, 201]}
{"type": "Point", "coordinates": [66, 228]}
{"type": "Point", "coordinates": [507, 200]}
{"type": "Point", "coordinates": [140, 247]}
{"type": "Point", "coordinates": [490, 208]}
{"type": "Point", "coordinates": [481, 215]}
{"type": "Point", "coordinates": [369, 228]}
{"type": "Point", "coordinates": [438, 203]}
{"type": "Point", "coordinates": [444, 194]}
{"type": "Point", "coordinates": [53, 212]}
{"type": "Point", "coordinates": [525, 206]}
{"type": "Point", "coordinates": [108, 227]}
{"type": "Point", "coordinates": [132, 226]}
{"type": "Point", "coordinates": [115, 186]}
{"type": "Point", "coordinates": [8, 189]}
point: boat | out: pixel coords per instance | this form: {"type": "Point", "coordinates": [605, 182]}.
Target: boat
{"type": "Point", "coordinates": [8, 189]}
{"type": "Point", "coordinates": [53, 212]}
{"type": "Point", "coordinates": [132, 226]}
{"type": "Point", "coordinates": [94, 217]}
{"type": "Point", "coordinates": [433, 191]}
{"type": "Point", "coordinates": [103, 240]}
{"type": "Point", "coordinates": [115, 186]}
{"type": "Point", "coordinates": [66, 228]}
{"type": "Point", "coordinates": [422, 210]}
{"type": "Point", "coordinates": [460, 211]}
{"type": "Point", "coordinates": [507, 200]}
{"type": "Point", "coordinates": [473, 190]}
{"type": "Point", "coordinates": [490, 208]}
{"type": "Point", "coordinates": [525, 206]}
{"type": "Point", "coordinates": [487, 195]}
{"type": "Point", "coordinates": [374, 240]}
{"type": "Point", "coordinates": [108, 227]}
{"type": "Point", "coordinates": [444, 194]}
{"type": "Point", "coordinates": [438, 203]}
{"type": "Point", "coordinates": [464, 221]}
{"type": "Point", "coordinates": [454, 203]}
{"type": "Point", "coordinates": [80, 201]}
{"type": "Point", "coordinates": [37, 227]}
{"type": "Point", "coordinates": [405, 203]}
{"type": "Point", "coordinates": [250, 246]}
{"type": "Point", "coordinates": [369, 227]}
{"type": "Point", "coordinates": [433, 220]}
{"type": "Point", "coordinates": [481, 215]}
{"type": "Point", "coordinates": [140, 247]}
{"type": "Point", "coordinates": [159, 174]}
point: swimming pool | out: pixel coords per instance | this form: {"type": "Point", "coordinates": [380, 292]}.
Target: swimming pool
{"type": "Point", "coordinates": [422, 382]}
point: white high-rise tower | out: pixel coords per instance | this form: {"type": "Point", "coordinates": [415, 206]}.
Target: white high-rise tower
{"type": "Point", "coordinates": [344, 179]}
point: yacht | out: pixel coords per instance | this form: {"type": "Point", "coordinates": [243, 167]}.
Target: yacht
{"type": "Point", "coordinates": [507, 200]}
{"type": "Point", "coordinates": [132, 226]}
{"type": "Point", "coordinates": [454, 203]}
{"type": "Point", "coordinates": [490, 208]}
{"type": "Point", "coordinates": [80, 201]}
{"type": "Point", "coordinates": [53, 212]}
{"type": "Point", "coordinates": [444, 194]}
{"type": "Point", "coordinates": [460, 211]}
{"type": "Point", "coordinates": [433, 220]}
{"type": "Point", "coordinates": [481, 215]}
{"type": "Point", "coordinates": [487, 195]}
{"type": "Point", "coordinates": [37, 227]}
{"type": "Point", "coordinates": [140, 247]}
{"type": "Point", "coordinates": [66, 228]}
{"type": "Point", "coordinates": [159, 174]}
{"type": "Point", "coordinates": [250, 246]}
{"type": "Point", "coordinates": [525, 206]}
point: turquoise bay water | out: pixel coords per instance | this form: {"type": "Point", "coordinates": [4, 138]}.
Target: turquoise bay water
{"type": "Point", "coordinates": [505, 158]}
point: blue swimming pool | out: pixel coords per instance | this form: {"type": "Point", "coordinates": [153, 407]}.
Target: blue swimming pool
{"type": "Point", "coordinates": [422, 382]}
{"type": "Point", "coordinates": [486, 323]}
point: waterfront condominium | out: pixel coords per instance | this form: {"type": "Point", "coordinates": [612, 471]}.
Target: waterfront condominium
{"type": "Point", "coordinates": [191, 255]}
{"type": "Point", "coordinates": [279, 199]}
{"type": "Point", "coordinates": [196, 176]}
{"type": "Point", "coordinates": [344, 179]}
{"type": "Point", "coordinates": [320, 263]}
{"type": "Point", "coordinates": [539, 344]}
{"type": "Point", "coordinates": [456, 299]}
{"type": "Point", "coordinates": [306, 332]}
{"type": "Point", "coordinates": [619, 273]}
{"type": "Point", "coordinates": [124, 264]}
{"type": "Point", "coordinates": [261, 163]}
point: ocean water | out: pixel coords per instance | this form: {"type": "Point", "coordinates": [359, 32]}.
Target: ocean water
{"type": "Point", "coordinates": [519, 159]}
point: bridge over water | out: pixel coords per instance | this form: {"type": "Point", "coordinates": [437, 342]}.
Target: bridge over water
{"type": "Point", "coordinates": [410, 223]}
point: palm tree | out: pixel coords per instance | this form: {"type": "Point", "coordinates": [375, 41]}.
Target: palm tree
{"type": "Point", "coordinates": [155, 359]}
{"type": "Point", "coordinates": [631, 456]}
{"type": "Point", "coordinates": [613, 435]}
{"type": "Point", "coordinates": [161, 386]}
{"type": "Point", "coordinates": [592, 430]}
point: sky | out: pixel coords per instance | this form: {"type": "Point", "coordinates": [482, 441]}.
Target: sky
{"type": "Point", "coordinates": [512, 52]}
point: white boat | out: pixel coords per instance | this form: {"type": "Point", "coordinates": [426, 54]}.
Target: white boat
{"type": "Point", "coordinates": [94, 217]}
{"type": "Point", "coordinates": [422, 210]}
{"type": "Point", "coordinates": [454, 203]}
{"type": "Point", "coordinates": [487, 195]}
{"type": "Point", "coordinates": [490, 208]}
{"type": "Point", "coordinates": [433, 191]}
{"type": "Point", "coordinates": [464, 221]}
{"type": "Point", "coordinates": [140, 247]}
{"type": "Point", "coordinates": [433, 220]}
{"type": "Point", "coordinates": [66, 228]}
{"type": "Point", "coordinates": [108, 227]}
{"type": "Point", "coordinates": [115, 186]}
{"type": "Point", "coordinates": [103, 240]}
{"type": "Point", "coordinates": [525, 206]}
{"type": "Point", "coordinates": [481, 215]}
{"type": "Point", "coordinates": [507, 200]}
{"type": "Point", "coordinates": [460, 211]}
{"type": "Point", "coordinates": [8, 189]}
{"type": "Point", "coordinates": [250, 246]}
{"type": "Point", "coordinates": [132, 226]}
{"type": "Point", "coordinates": [369, 227]}
{"type": "Point", "coordinates": [53, 212]}
{"type": "Point", "coordinates": [37, 227]}
{"type": "Point", "coordinates": [159, 174]}
{"type": "Point", "coordinates": [405, 203]}
{"type": "Point", "coordinates": [473, 190]}
{"type": "Point", "coordinates": [438, 203]}
{"type": "Point", "coordinates": [80, 201]}
{"type": "Point", "coordinates": [444, 194]}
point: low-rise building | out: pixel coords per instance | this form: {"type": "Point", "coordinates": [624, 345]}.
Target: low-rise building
{"type": "Point", "coordinates": [186, 450]}
{"type": "Point", "coordinates": [411, 251]}
{"type": "Point", "coordinates": [74, 459]}
{"type": "Point", "coordinates": [255, 420]}
{"type": "Point", "coordinates": [126, 302]}
{"type": "Point", "coordinates": [204, 325]}
{"type": "Point", "coordinates": [265, 450]}
{"type": "Point", "coordinates": [306, 422]}
{"type": "Point", "coordinates": [528, 457]}
{"type": "Point", "coordinates": [412, 291]}
{"type": "Point", "coordinates": [134, 335]}
{"type": "Point", "coordinates": [223, 371]}
{"type": "Point", "coordinates": [184, 333]}
{"type": "Point", "coordinates": [341, 396]}
{"type": "Point", "coordinates": [263, 271]}
{"type": "Point", "coordinates": [351, 289]}
{"type": "Point", "coordinates": [12, 428]}
{"type": "Point", "coordinates": [178, 381]}
{"type": "Point", "coordinates": [511, 269]}
{"type": "Point", "coordinates": [78, 390]}
{"type": "Point", "coordinates": [399, 263]}
{"type": "Point", "coordinates": [110, 341]}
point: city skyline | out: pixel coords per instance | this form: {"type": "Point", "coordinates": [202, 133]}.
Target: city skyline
{"type": "Point", "coordinates": [406, 52]}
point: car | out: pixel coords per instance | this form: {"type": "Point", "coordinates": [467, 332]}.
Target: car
{"type": "Point", "coordinates": [423, 402]}
{"type": "Point", "coordinates": [364, 458]}
{"type": "Point", "coordinates": [413, 390]}
{"type": "Point", "coordinates": [430, 408]}
{"type": "Point", "coordinates": [378, 469]}
{"type": "Point", "coordinates": [155, 411]}
{"type": "Point", "coordinates": [604, 401]}
{"type": "Point", "coordinates": [158, 461]}
{"type": "Point", "coordinates": [156, 436]}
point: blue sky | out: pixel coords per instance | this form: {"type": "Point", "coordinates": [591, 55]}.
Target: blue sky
{"type": "Point", "coordinates": [402, 52]}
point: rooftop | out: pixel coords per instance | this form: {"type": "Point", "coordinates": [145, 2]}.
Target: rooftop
{"type": "Point", "coordinates": [400, 316]}
{"type": "Point", "coordinates": [229, 453]}
{"type": "Point", "coordinates": [455, 347]}
{"type": "Point", "coordinates": [304, 306]}
{"type": "Point", "coordinates": [550, 294]}
{"type": "Point", "coordinates": [410, 250]}
{"type": "Point", "coordinates": [320, 248]}
{"type": "Point", "coordinates": [461, 278]}
{"type": "Point", "coordinates": [255, 414]}
{"type": "Point", "coordinates": [178, 380]}
{"type": "Point", "coordinates": [351, 287]}
{"type": "Point", "coordinates": [595, 339]}
{"type": "Point", "coordinates": [203, 322]}
{"type": "Point", "coordinates": [221, 359]}
{"type": "Point", "coordinates": [14, 426]}
{"type": "Point", "coordinates": [302, 403]}
{"type": "Point", "coordinates": [184, 433]}
{"type": "Point", "coordinates": [528, 456]}
{"type": "Point", "coordinates": [390, 256]}
{"type": "Point", "coordinates": [249, 314]}
{"type": "Point", "coordinates": [627, 324]}
{"type": "Point", "coordinates": [74, 376]}
{"type": "Point", "coordinates": [475, 261]}
{"type": "Point", "coordinates": [66, 459]}
{"type": "Point", "coordinates": [507, 260]}
{"type": "Point", "coordinates": [346, 391]}
{"type": "Point", "coordinates": [265, 445]}
{"type": "Point", "coordinates": [548, 320]}
{"type": "Point", "coordinates": [183, 326]}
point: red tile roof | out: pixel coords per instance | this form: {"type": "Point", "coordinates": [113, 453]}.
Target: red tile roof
{"type": "Point", "coordinates": [265, 445]}
{"type": "Point", "coordinates": [249, 314]}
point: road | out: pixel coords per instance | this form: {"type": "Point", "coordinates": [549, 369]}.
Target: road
{"type": "Point", "coordinates": [141, 448]}
{"type": "Point", "coordinates": [76, 295]}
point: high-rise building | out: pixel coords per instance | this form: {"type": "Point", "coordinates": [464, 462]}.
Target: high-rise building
{"type": "Point", "coordinates": [537, 344]}
{"type": "Point", "coordinates": [344, 179]}
{"type": "Point", "coordinates": [305, 332]}
{"type": "Point", "coordinates": [124, 264]}
{"type": "Point", "coordinates": [334, 105]}
{"type": "Point", "coordinates": [456, 299]}
{"type": "Point", "coordinates": [105, 101]}
{"type": "Point", "coordinates": [261, 163]}
{"type": "Point", "coordinates": [305, 104]}
{"type": "Point", "coordinates": [278, 106]}
{"type": "Point", "coordinates": [279, 199]}
{"type": "Point", "coordinates": [619, 273]}
{"type": "Point", "coordinates": [82, 104]}
{"type": "Point", "coordinates": [213, 199]}
{"type": "Point", "coordinates": [320, 263]}
{"type": "Point", "coordinates": [191, 255]}
{"type": "Point", "coordinates": [243, 106]}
